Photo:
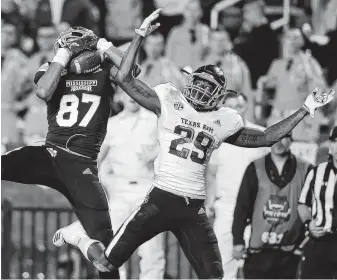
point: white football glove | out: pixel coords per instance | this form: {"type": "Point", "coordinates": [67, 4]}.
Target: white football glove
{"type": "Point", "coordinates": [146, 28]}
{"type": "Point", "coordinates": [315, 100]}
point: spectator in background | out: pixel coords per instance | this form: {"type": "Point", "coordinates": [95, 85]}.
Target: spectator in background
{"type": "Point", "coordinates": [257, 43]}
{"type": "Point", "coordinates": [324, 16]}
{"type": "Point", "coordinates": [224, 175]}
{"type": "Point", "coordinates": [267, 200]}
{"type": "Point", "coordinates": [231, 20]}
{"type": "Point", "coordinates": [156, 68]}
{"type": "Point", "coordinates": [36, 125]}
{"type": "Point", "coordinates": [127, 172]}
{"type": "Point", "coordinates": [12, 11]}
{"type": "Point", "coordinates": [65, 13]}
{"type": "Point", "coordinates": [121, 18]}
{"type": "Point", "coordinates": [186, 43]}
{"type": "Point", "coordinates": [171, 14]}
{"type": "Point", "coordinates": [13, 75]}
{"type": "Point", "coordinates": [45, 39]}
{"type": "Point", "coordinates": [235, 69]}
{"type": "Point", "coordinates": [292, 77]}
{"type": "Point", "coordinates": [28, 14]}
{"type": "Point", "coordinates": [323, 48]}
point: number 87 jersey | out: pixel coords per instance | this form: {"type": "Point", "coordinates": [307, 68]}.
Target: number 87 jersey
{"type": "Point", "coordinates": [79, 109]}
{"type": "Point", "coordinates": [187, 139]}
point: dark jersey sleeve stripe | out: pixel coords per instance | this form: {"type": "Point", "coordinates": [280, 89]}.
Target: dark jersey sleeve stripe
{"type": "Point", "coordinates": [43, 68]}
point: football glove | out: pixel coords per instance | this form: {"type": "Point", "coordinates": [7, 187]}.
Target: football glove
{"type": "Point", "coordinates": [77, 40]}
{"type": "Point", "coordinates": [146, 28]}
{"type": "Point", "coordinates": [315, 100]}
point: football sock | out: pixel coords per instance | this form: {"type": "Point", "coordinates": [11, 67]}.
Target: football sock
{"type": "Point", "coordinates": [90, 248]}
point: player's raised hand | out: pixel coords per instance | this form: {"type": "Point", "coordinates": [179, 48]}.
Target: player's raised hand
{"type": "Point", "coordinates": [77, 39]}
{"type": "Point", "coordinates": [316, 100]}
{"type": "Point", "coordinates": [147, 27]}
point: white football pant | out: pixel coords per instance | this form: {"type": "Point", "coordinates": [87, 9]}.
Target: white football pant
{"type": "Point", "coordinates": [223, 230]}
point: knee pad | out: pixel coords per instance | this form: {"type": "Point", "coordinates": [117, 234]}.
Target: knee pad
{"type": "Point", "coordinates": [144, 215]}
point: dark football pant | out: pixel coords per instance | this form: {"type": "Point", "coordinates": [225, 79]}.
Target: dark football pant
{"type": "Point", "coordinates": [74, 176]}
{"type": "Point", "coordinates": [184, 217]}
{"type": "Point", "coordinates": [320, 258]}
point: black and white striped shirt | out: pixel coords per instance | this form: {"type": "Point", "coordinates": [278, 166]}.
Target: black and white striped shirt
{"type": "Point", "coordinates": [320, 193]}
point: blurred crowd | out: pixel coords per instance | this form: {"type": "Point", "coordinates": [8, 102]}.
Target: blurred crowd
{"type": "Point", "coordinates": [274, 66]}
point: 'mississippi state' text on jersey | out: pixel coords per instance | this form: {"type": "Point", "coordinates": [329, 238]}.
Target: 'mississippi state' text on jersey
{"type": "Point", "coordinates": [187, 139]}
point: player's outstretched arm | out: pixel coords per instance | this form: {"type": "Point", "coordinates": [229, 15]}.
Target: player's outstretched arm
{"type": "Point", "coordinates": [252, 138]}
{"type": "Point", "coordinates": [48, 79]}
{"type": "Point", "coordinates": [142, 93]}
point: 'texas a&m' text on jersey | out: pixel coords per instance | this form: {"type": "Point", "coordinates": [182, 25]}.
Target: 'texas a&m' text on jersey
{"type": "Point", "coordinates": [187, 139]}
{"type": "Point", "coordinates": [79, 109]}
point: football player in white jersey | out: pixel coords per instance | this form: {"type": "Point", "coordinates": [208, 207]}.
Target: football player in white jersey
{"type": "Point", "coordinates": [190, 127]}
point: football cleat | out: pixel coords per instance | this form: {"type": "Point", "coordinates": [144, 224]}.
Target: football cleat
{"type": "Point", "coordinates": [69, 235]}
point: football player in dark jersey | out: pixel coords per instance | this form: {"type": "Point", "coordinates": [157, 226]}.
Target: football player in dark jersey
{"type": "Point", "coordinates": [78, 110]}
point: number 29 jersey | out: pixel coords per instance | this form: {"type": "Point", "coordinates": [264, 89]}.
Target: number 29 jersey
{"type": "Point", "coordinates": [79, 110]}
{"type": "Point", "coordinates": [187, 139]}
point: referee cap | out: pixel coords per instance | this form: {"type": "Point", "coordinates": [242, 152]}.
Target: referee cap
{"type": "Point", "coordinates": [333, 134]}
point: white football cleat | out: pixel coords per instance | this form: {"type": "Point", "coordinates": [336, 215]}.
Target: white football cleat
{"type": "Point", "coordinates": [69, 235]}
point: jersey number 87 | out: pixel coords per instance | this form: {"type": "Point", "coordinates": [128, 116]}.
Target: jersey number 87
{"type": "Point", "coordinates": [69, 104]}
{"type": "Point", "coordinates": [202, 142]}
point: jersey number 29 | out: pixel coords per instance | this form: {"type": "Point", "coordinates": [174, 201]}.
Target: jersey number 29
{"type": "Point", "coordinates": [202, 142]}
{"type": "Point", "coordinates": [69, 104]}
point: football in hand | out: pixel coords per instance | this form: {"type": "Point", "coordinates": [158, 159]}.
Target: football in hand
{"type": "Point", "coordinates": [86, 62]}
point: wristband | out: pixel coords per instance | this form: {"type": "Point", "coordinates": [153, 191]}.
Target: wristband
{"type": "Point", "coordinates": [103, 45]}
{"type": "Point", "coordinates": [305, 107]}
{"type": "Point", "coordinates": [62, 57]}
{"type": "Point", "coordinates": [140, 32]}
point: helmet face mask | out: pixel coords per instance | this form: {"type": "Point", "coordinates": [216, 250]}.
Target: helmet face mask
{"type": "Point", "coordinates": [204, 91]}
{"type": "Point", "coordinates": [66, 37]}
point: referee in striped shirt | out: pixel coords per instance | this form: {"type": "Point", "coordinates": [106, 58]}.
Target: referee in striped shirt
{"type": "Point", "coordinates": [317, 209]}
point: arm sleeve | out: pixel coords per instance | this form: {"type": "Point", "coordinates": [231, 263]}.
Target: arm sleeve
{"type": "Point", "coordinates": [244, 204]}
{"type": "Point", "coordinates": [306, 194]}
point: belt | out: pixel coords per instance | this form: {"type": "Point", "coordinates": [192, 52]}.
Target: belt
{"type": "Point", "coordinates": [287, 248]}
{"type": "Point", "coordinates": [193, 202]}
{"type": "Point", "coordinates": [67, 150]}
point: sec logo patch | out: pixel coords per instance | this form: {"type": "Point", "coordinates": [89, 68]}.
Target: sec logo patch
{"type": "Point", "coordinates": [178, 106]}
